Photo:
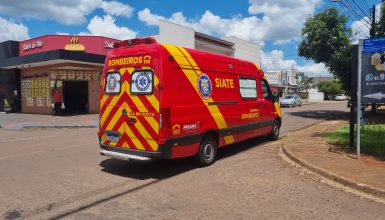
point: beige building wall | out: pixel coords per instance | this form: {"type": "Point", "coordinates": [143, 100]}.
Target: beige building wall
{"type": "Point", "coordinates": [170, 33]}
{"type": "Point", "coordinates": [37, 85]}
{"type": "Point", "coordinates": [246, 50]}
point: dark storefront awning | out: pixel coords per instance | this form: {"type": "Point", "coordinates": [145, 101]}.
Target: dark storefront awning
{"type": "Point", "coordinates": [51, 57]}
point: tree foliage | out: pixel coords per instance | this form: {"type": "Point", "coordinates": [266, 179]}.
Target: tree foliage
{"type": "Point", "coordinates": [330, 88]}
{"type": "Point", "coordinates": [304, 83]}
{"type": "Point", "coordinates": [380, 26]}
{"type": "Point", "coordinates": [326, 39]}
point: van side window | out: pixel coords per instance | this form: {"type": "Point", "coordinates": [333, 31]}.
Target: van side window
{"type": "Point", "coordinates": [248, 88]}
{"type": "Point", "coordinates": [113, 83]}
{"type": "Point", "coordinates": [142, 82]}
{"type": "Point", "coordinates": [266, 92]}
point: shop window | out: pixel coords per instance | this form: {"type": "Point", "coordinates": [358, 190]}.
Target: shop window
{"type": "Point", "coordinates": [248, 88]}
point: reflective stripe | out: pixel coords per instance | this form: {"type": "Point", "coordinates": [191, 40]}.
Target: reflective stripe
{"type": "Point", "coordinates": [192, 72]}
{"type": "Point", "coordinates": [137, 135]}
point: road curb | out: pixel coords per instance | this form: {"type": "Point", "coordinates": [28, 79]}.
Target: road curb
{"type": "Point", "coordinates": [329, 175]}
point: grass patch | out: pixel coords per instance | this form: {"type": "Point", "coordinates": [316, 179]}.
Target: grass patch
{"type": "Point", "coordinates": [372, 139]}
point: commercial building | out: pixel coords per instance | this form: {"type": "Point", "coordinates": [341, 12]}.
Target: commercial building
{"type": "Point", "coordinates": [171, 33]}
{"type": "Point", "coordinates": [30, 70]}
{"type": "Point", "coordinates": [282, 82]}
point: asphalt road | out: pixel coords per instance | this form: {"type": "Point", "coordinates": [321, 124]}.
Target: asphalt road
{"type": "Point", "coordinates": [58, 173]}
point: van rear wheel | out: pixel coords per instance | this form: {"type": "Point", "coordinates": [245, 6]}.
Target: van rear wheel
{"type": "Point", "coordinates": [207, 151]}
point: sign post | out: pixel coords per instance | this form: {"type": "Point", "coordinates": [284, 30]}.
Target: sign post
{"type": "Point", "coordinates": [358, 107]}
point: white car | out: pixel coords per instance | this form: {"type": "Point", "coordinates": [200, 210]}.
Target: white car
{"type": "Point", "coordinates": [291, 101]}
{"type": "Point", "coordinates": [340, 97]}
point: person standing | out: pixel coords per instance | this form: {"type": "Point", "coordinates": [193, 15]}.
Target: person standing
{"type": "Point", "coordinates": [57, 100]}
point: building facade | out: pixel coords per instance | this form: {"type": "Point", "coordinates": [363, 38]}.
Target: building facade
{"type": "Point", "coordinates": [70, 64]}
{"type": "Point", "coordinates": [171, 33]}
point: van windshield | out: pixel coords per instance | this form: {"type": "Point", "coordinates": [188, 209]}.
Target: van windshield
{"type": "Point", "coordinates": [288, 97]}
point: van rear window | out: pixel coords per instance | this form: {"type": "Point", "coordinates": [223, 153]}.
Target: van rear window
{"type": "Point", "coordinates": [113, 83]}
{"type": "Point", "coordinates": [142, 82]}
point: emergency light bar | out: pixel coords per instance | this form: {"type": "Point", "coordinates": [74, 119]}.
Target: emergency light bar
{"type": "Point", "coordinates": [135, 41]}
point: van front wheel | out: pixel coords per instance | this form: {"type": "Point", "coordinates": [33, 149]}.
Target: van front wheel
{"type": "Point", "coordinates": [274, 134]}
{"type": "Point", "coordinates": [207, 151]}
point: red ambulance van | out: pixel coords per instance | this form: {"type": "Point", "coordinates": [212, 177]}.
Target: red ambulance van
{"type": "Point", "coordinates": [166, 101]}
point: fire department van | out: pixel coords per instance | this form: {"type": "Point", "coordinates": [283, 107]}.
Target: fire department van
{"type": "Point", "coordinates": [166, 101]}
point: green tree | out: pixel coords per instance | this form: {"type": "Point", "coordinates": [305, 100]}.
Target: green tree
{"type": "Point", "coordinates": [330, 88]}
{"type": "Point", "coordinates": [326, 39]}
{"type": "Point", "coordinates": [380, 26]}
{"type": "Point", "coordinates": [304, 82]}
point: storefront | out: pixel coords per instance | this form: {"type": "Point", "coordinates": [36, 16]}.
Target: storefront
{"type": "Point", "coordinates": [70, 64]}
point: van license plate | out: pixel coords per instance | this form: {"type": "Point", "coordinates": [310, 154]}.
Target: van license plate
{"type": "Point", "coordinates": [112, 137]}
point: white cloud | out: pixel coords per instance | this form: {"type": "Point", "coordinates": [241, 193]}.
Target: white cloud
{"type": "Point", "coordinates": [63, 33]}
{"type": "Point", "coordinates": [283, 18]}
{"type": "Point", "coordinates": [249, 28]}
{"type": "Point", "coordinates": [274, 60]}
{"type": "Point", "coordinates": [106, 27]}
{"type": "Point", "coordinates": [148, 18]}
{"type": "Point", "coordinates": [117, 9]}
{"type": "Point", "coordinates": [69, 12]}
{"type": "Point", "coordinates": [278, 21]}
{"type": "Point", "coordinates": [315, 70]}
{"type": "Point", "coordinates": [360, 30]}
{"type": "Point", "coordinates": [12, 31]}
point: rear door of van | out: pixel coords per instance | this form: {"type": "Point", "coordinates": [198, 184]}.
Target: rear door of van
{"type": "Point", "coordinates": [129, 104]}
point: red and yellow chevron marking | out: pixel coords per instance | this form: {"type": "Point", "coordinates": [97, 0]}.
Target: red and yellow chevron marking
{"type": "Point", "coordinates": [141, 135]}
{"type": "Point", "coordinates": [192, 72]}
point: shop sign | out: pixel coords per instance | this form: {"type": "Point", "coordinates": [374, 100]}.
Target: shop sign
{"type": "Point", "coordinates": [32, 45]}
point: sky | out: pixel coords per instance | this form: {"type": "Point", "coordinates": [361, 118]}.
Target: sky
{"type": "Point", "coordinates": [275, 25]}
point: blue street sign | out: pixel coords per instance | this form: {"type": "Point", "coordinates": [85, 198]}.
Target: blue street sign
{"type": "Point", "coordinates": [372, 45]}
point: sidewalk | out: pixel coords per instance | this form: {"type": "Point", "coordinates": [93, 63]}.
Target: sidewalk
{"type": "Point", "coordinates": [308, 148]}
{"type": "Point", "coordinates": [19, 121]}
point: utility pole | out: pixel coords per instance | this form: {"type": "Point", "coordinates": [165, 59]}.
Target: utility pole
{"type": "Point", "coordinates": [373, 24]}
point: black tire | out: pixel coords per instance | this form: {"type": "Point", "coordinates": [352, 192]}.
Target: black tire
{"type": "Point", "coordinates": [274, 134]}
{"type": "Point", "coordinates": [207, 151]}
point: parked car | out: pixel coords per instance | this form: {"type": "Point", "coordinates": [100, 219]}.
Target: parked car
{"type": "Point", "coordinates": [341, 97]}
{"type": "Point", "coordinates": [291, 100]}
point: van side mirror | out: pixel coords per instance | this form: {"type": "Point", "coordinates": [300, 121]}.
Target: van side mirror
{"type": "Point", "coordinates": [275, 97]}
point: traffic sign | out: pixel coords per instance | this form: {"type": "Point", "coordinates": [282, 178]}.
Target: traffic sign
{"type": "Point", "coordinates": [373, 71]}
{"type": "Point", "coordinates": [372, 45]}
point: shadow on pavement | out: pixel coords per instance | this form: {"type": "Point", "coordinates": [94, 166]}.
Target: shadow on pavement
{"type": "Point", "coordinates": [156, 169]}
{"type": "Point", "coordinates": [321, 114]}
{"type": "Point", "coordinates": [163, 169]}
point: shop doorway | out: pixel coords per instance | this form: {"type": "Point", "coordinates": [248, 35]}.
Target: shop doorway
{"type": "Point", "coordinates": [75, 95]}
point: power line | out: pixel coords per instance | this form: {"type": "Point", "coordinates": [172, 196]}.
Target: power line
{"type": "Point", "coordinates": [350, 15]}
{"type": "Point", "coordinates": [349, 8]}
{"type": "Point", "coordinates": [358, 7]}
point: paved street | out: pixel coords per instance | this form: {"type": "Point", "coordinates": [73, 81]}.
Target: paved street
{"type": "Point", "coordinates": [57, 172]}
